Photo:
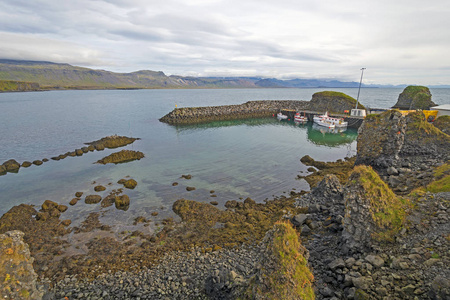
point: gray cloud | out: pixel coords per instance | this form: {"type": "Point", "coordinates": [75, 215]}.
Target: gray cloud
{"type": "Point", "coordinates": [397, 41]}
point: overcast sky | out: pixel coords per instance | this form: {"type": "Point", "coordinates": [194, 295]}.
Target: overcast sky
{"type": "Point", "coordinates": [398, 41]}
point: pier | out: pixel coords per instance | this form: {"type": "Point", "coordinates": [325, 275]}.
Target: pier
{"type": "Point", "coordinates": [251, 109]}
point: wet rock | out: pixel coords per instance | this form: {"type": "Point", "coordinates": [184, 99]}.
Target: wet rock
{"type": "Point", "coordinates": [85, 149]}
{"type": "Point", "coordinates": [99, 188]}
{"type": "Point", "coordinates": [66, 222]}
{"type": "Point", "coordinates": [72, 154]}
{"type": "Point", "coordinates": [175, 184]}
{"type": "Point", "coordinates": [113, 141]}
{"type": "Point", "coordinates": [49, 205]}
{"type": "Point", "coordinates": [45, 159]}
{"type": "Point", "coordinates": [19, 280]}
{"type": "Point", "coordinates": [121, 181]}
{"type": "Point", "coordinates": [188, 176]}
{"type": "Point", "coordinates": [2, 170]}
{"type": "Point", "coordinates": [122, 202]}
{"type": "Point", "coordinates": [121, 157]}
{"type": "Point", "coordinates": [62, 208]}
{"type": "Point", "coordinates": [92, 199]}
{"type": "Point", "coordinates": [130, 184]}
{"type": "Point", "coordinates": [214, 202]}
{"type": "Point", "coordinates": [11, 165]}
{"type": "Point", "coordinates": [74, 201]}
{"type": "Point", "coordinates": [26, 164]}
{"type": "Point", "coordinates": [78, 152]}
{"type": "Point", "coordinates": [155, 213]}
{"type": "Point", "coordinates": [55, 158]}
{"type": "Point", "coordinates": [108, 201]}
{"type": "Point", "coordinates": [78, 194]}
{"type": "Point", "coordinates": [190, 188]}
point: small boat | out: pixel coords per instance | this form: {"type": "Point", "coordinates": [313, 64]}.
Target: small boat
{"type": "Point", "coordinates": [280, 116]}
{"type": "Point", "coordinates": [326, 120]}
{"type": "Point", "coordinates": [299, 118]}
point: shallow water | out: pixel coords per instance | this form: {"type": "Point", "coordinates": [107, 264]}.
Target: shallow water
{"type": "Point", "coordinates": [237, 159]}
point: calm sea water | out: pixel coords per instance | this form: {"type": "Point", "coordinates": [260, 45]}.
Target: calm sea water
{"type": "Point", "coordinates": [237, 159]}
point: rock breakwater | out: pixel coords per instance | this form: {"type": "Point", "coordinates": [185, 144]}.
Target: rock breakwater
{"type": "Point", "coordinates": [251, 109]}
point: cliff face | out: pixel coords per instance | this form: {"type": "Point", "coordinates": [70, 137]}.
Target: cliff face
{"type": "Point", "coordinates": [402, 149]}
{"type": "Point", "coordinates": [333, 102]}
{"type": "Point", "coordinates": [414, 97]}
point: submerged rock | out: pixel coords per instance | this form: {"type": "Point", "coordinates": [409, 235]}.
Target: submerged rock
{"type": "Point", "coordinates": [121, 157]}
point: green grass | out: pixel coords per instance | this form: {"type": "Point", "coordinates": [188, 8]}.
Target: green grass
{"type": "Point", "coordinates": [386, 208]}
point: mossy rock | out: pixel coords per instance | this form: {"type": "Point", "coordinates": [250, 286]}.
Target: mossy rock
{"type": "Point", "coordinates": [49, 205]}
{"type": "Point", "coordinates": [78, 152]}
{"type": "Point", "coordinates": [122, 202]}
{"type": "Point", "coordinates": [414, 97]}
{"type": "Point", "coordinates": [92, 199]}
{"type": "Point", "coordinates": [37, 162]}
{"type": "Point", "coordinates": [443, 123]}
{"type": "Point", "coordinates": [11, 165]}
{"type": "Point", "coordinates": [26, 164]}
{"type": "Point", "coordinates": [78, 194]}
{"type": "Point", "coordinates": [74, 201]}
{"type": "Point", "coordinates": [130, 184]}
{"type": "Point", "coordinates": [99, 188]}
{"type": "Point", "coordinates": [284, 273]}
{"type": "Point", "coordinates": [333, 102]}
{"type": "Point", "coordinates": [113, 141]}
{"type": "Point", "coordinates": [121, 157]}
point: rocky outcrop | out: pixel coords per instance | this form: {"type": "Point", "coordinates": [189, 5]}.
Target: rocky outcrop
{"type": "Point", "coordinates": [333, 102]}
{"type": "Point", "coordinates": [373, 213]}
{"type": "Point", "coordinates": [443, 123]}
{"type": "Point", "coordinates": [414, 97]}
{"type": "Point", "coordinates": [402, 149]}
{"type": "Point", "coordinates": [251, 109]}
{"type": "Point", "coordinates": [113, 141]}
{"type": "Point", "coordinates": [18, 278]}
{"type": "Point", "coordinates": [282, 272]}
{"type": "Point", "coordinates": [121, 157]}
{"type": "Point", "coordinates": [18, 86]}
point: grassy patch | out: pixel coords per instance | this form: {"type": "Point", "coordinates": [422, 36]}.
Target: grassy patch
{"type": "Point", "coordinates": [290, 277]}
{"type": "Point", "coordinates": [386, 208]}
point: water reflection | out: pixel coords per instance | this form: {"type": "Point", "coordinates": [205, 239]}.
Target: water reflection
{"type": "Point", "coordinates": [321, 135]}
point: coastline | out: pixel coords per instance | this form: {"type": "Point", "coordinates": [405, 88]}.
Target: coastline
{"type": "Point", "coordinates": [325, 220]}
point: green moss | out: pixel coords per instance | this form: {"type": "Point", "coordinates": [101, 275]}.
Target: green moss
{"type": "Point", "coordinates": [387, 210]}
{"type": "Point", "coordinates": [291, 278]}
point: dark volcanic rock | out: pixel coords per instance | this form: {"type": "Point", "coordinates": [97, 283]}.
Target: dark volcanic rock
{"type": "Point", "coordinates": [414, 97]}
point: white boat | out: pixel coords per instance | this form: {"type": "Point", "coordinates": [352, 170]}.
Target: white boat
{"type": "Point", "coordinates": [326, 120]}
{"type": "Point", "coordinates": [281, 116]}
{"type": "Point", "coordinates": [299, 118]}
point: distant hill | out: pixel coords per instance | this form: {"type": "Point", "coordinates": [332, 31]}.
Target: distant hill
{"type": "Point", "coordinates": [49, 75]}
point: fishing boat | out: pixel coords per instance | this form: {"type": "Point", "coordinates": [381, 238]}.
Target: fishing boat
{"type": "Point", "coordinates": [300, 119]}
{"type": "Point", "coordinates": [280, 116]}
{"type": "Point", "coordinates": [325, 120]}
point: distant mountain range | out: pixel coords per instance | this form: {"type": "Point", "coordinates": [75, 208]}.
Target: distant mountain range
{"type": "Point", "coordinates": [51, 75]}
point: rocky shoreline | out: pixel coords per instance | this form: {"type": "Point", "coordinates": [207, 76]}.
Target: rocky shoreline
{"type": "Point", "coordinates": [110, 142]}
{"type": "Point", "coordinates": [363, 237]}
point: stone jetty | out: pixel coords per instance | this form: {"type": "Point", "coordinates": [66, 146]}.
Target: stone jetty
{"type": "Point", "coordinates": [251, 109]}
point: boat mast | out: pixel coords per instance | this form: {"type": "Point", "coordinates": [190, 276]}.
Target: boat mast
{"type": "Point", "coordinates": [359, 89]}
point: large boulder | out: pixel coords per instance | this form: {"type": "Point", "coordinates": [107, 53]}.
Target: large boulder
{"type": "Point", "coordinates": [414, 97]}
{"type": "Point", "coordinates": [373, 213]}
{"type": "Point", "coordinates": [282, 272]}
{"type": "Point", "coordinates": [11, 165]}
{"type": "Point", "coordinates": [18, 278]}
{"type": "Point", "coordinates": [122, 202]}
{"type": "Point", "coordinates": [333, 102]}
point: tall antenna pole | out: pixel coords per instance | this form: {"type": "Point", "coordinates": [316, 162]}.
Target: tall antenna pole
{"type": "Point", "coordinates": [359, 89]}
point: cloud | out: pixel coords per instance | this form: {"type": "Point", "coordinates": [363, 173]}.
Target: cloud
{"type": "Point", "coordinates": [286, 38]}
